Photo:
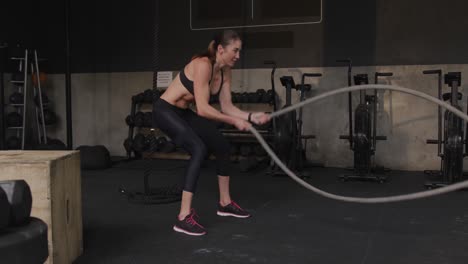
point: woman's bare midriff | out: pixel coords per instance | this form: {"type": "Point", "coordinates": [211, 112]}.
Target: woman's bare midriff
{"type": "Point", "coordinates": [176, 94]}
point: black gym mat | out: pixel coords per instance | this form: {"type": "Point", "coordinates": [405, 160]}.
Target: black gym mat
{"type": "Point", "coordinates": [289, 223]}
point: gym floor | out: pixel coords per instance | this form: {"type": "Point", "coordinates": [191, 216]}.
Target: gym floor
{"type": "Point", "coordinates": [289, 225]}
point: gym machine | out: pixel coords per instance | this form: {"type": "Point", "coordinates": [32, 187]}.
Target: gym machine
{"type": "Point", "coordinates": [289, 142]}
{"type": "Point", "coordinates": [363, 138]}
{"type": "Point", "coordinates": [451, 142]}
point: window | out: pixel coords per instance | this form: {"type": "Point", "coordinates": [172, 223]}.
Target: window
{"type": "Point", "coordinates": [213, 14]}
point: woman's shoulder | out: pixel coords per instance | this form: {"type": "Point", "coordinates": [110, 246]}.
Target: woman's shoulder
{"type": "Point", "coordinates": [201, 61]}
{"type": "Point", "coordinates": [202, 64]}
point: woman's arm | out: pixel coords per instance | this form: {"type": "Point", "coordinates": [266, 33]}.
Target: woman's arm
{"type": "Point", "coordinates": [225, 99]}
{"type": "Point", "coordinates": [201, 77]}
{"type": "Point", "coordinates": [230, 109]}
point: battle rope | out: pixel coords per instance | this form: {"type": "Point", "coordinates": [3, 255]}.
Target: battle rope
{"type": "Point", "coordinates": [396, 198]}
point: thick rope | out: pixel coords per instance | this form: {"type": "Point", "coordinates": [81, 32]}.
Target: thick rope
{"type": "Point", "coordinates": [397, 198]}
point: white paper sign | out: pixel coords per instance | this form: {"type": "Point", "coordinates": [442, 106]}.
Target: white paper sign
{"type": "Point", "coordinates": [164, 79]}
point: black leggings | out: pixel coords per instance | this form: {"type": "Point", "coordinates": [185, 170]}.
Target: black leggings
{"type": "Point", "coordinates": [198, 135]}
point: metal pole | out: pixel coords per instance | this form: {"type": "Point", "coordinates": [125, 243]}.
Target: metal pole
{"type": "Point", "coordinates": [3, 61]}
{"type": "Point", "coordinates": [350, 101]}
{"type": "Point", "coordinates": [41, 103]}
{"type": "Point", "coordinates": [25, 98]}
{"type": "Point", "coordinates": [156, 45]}
{"type": "Point", "coordinates": [68, 102]}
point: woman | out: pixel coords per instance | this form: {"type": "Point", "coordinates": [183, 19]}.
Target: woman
{"type": "Point", "coordinates": [208, 73]}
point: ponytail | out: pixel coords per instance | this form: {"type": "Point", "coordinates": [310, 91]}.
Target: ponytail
{"type": "Point", "coordinates": [210, 52]}
{"type": "Point", "coordinates": [220, 38]}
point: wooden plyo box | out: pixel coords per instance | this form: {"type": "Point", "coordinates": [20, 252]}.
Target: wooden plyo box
{"type": "Point", "coordinates": [55, 181]}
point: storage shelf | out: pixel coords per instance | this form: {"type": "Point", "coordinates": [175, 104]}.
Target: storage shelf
{"type": "Point", "coordinates": [233, 135]}
{"type": "Point", "coordinates": [22, 59]}
{"type": "Point", "coordinates": [177, 155]}
{"type": "Point", "coordinates": [160, 155]}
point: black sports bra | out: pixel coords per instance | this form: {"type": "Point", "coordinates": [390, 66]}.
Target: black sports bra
{"type": "Point", "coordinates": [188, 84]}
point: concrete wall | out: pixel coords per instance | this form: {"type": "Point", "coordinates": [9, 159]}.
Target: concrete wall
{"type": "Point", "coordinates": [102, 101]}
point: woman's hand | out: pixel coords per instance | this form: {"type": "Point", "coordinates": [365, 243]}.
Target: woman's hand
{"type": "Point", "coordinates": [241, 124]}
{"type": "Point", "coordinates": [260, 118]}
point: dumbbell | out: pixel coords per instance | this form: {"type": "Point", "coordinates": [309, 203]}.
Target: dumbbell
{"type": "Point", "coordinates": [148, 96]}
{"type": "Point", "coordinates": [161, 141]}
{"type": "Point", "coordinates": [139, 143]}
{"type": "Point", "coordinates": [128, 145]}
{"type": "Point", "coordinates": [16, 98]}
{"type": "Point", "coordinates": [14, 119]}
{"type": "Point", "coordinates": [254, 98]}
{"type": "Point", "coordinates": [52, 144]}
{"type": "Point", "coordinates": [129, 120]}
{"type": "Point", "coordinates": [20, 199]}
{"type": "Point", "coordinates": [261, 93]}
{"type": "Point", "coordinates": [235, 97]}
{"type": "Point", "coordinates": [244, 97]}
{"type": "Point", "coordinates": [139, 119]}
{"type": "Point", "coordinates": [156, 94]}
{"type": "Point", "coordinates": [165, 145]}
{"type": "Point", "coordinates": [139, 98]}
{"type": "Point", "coordinates": [56, 144]}
{"type": "Point", "coordinates": [152, 142]}
{"type": "Point", "coordinates": [4, 209]}
{"type": "Point", "coordinates": [148, 119]}
{"type": "Point", "coordinates": [268, 97]}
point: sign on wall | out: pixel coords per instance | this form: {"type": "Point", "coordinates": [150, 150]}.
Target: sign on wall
{"type": "Point", "coordinates": [164, 79]}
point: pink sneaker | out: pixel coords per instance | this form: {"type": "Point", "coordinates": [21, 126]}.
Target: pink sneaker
{"type": "Point", "coordinates": [232, 209]}
{"type": "Point", "coordinates": [189, 225]}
